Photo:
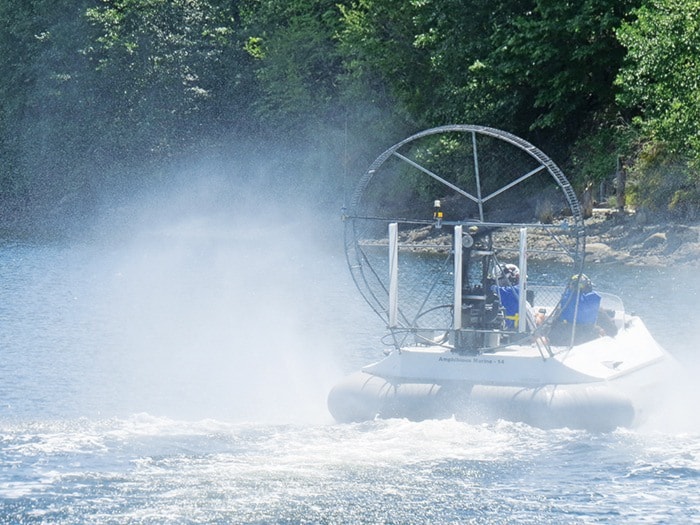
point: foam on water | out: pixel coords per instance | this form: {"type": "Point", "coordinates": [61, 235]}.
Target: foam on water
{"type": "Point", "coordinates": [152, 469]}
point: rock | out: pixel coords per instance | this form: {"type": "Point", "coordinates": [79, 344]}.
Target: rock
{"type": "Point", "coordinates": [600, 252]}
{"type": "Point", "coordinates": [617, 238]}
{"type": "Point", "coordinates": [617, 231]}
{"type": "Point", "coordinates": [655, 240]}
{"type": "Point", "coordinates": [418, 234]}
{"type": "Point", "coordinates": [641, 217]}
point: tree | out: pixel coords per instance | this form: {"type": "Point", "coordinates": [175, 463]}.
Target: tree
{"type": "Point", "coordinates": [567, 54]}
{"type": "Point", "coordinates": [297, 61]}
{"type": "Point", "coordinates": [379, 52]}
{"type": "Point", "coordinates": [170, 73]}
{"type": "Point", "coordinates": [659, 81]}
{"type": "Point", "coordinates": [324, 121]}
{"type": "Point", "coordinates": [661, 75]}
{"type": "Point", "coordinates": [45, 110]}
{"type": "Point", "coordinates": [19, 46]}
{"type": "Point", "coordinates": [540, 64]}
{"type": "Point", "coordinates": [93, 90]}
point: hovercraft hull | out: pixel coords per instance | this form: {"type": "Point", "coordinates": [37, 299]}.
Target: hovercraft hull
{"type": "Point", "coordinates": [363, 396]}
{"type": "Point", "coordinates": [600, 385]}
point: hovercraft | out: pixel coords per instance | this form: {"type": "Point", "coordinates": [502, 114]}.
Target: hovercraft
{"type": "Point", "coordinates": [469, 243]}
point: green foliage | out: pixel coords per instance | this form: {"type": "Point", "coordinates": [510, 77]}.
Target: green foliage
{"type": "Point", "coordinates": [168, 71]}
{"type": "Point", "coordinates": [543, 69]}
{"type": "Point", "coordinates": [662, 72]}
{"type": "Point", "coordinates": [599, 152]}
{"type": "Point", "coordinates": [506, 63]}
{"type": "Point", "coordinates": [309, 99]}
{"type": "Point", "coordinates": [660, 81]}
{"type": "Point", "coordinates": [665, 183]}
{"type": "Point", "coordinates": [564, 55]}
{"type": "Point", "coordinates": [427, 53]}
{"type": "Point", "coordinates": [298, 64]}
{"type": "Point", "coordinates": [46, 110]}
{"type": "Point", "coordinates": [378, 41]}
{"type": "Point", "coordinates": [91, 88]}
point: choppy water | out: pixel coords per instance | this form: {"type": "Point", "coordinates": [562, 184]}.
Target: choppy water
{"type": "Point", "coordinates": [181, 376]}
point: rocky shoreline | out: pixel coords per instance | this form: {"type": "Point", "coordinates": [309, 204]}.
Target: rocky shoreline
{"type": "Point", "coordinates": [612, 236]}
{"type": "Point", "coordinates": [630, 238]}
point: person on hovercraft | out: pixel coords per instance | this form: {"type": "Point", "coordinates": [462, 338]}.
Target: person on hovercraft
{"type": "Point", "coordinates": [582, 304]}
{"type": "Point", "coordinates": [508, 294]}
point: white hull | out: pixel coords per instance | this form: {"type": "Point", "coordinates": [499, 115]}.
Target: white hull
{"type": "Point", "coordinates": [599, 385]}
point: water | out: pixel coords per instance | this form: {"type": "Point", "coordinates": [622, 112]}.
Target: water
{"type": "Point", "coordinates": [180, 376]}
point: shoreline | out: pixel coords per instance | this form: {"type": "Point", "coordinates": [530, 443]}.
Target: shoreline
{"type": "Point", "coordinates": [611, 237]}
{"type": "Point", "coordinates": [629, 238]}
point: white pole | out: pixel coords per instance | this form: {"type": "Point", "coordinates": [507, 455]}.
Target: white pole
{"type": "Point", "coordinates": [522, 286]}
{"type": "Point", "coordinates": [458, 278]}
{"type": "Point", "coordinates": [393, 274]}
